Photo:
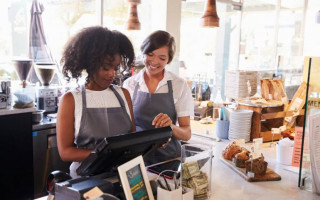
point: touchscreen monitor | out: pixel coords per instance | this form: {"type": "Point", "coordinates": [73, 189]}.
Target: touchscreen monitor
{"type": "Point", "coordinates": [116, 150]}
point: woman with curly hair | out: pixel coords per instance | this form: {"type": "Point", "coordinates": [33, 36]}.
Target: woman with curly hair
{"type": "Point", "coordinates": [98, 109]}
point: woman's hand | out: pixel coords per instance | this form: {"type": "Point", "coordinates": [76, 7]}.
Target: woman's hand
{"type": "Point", "coordinates": [162, 120]}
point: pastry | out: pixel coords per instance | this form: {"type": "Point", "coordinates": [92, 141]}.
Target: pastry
{"type": "Point", "coordinates": [258, 166]}
{"type": "Point", "coordinates": [241, 157]}
{"type": "Point", "coordinates": [231, 150]}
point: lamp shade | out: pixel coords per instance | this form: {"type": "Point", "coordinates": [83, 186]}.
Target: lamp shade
{"type": "Point", "coordinates": [210, 18]}
{"type": "Point", "coordinates": [133, 22]}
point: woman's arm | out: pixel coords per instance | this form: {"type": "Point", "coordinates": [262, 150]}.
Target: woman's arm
{"type": "Point", "coordinates": [181, 132]}
{"type": "Point", "coordinates": [65, 131]}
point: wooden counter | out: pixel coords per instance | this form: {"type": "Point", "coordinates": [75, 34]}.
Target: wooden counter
{"type": "Point", "coordinates": [12, 111]}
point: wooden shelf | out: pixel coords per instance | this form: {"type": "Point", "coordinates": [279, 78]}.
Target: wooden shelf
{"type": "Point", "coordinates": [266, 118]}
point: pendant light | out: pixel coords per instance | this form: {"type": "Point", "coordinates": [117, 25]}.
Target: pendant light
{"type": "Point", "coordinates": [210, 17]}
{"type": "Point", "coordinates": [133, 20]}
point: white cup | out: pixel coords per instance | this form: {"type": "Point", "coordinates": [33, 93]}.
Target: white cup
{"type": "Point", "coordinates": [163, 194]}
{"type": "Point", "coordinates": [284, 154]}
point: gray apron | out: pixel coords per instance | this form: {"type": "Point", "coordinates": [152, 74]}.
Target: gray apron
{"type": "Point", "coordinates": [145, 107]}
{"type": "Point", "coordinates": [98, 123]}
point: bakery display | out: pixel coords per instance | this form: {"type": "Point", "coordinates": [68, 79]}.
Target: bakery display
{"type": "Point", "coordinates": [231, 150]}
{"type": "Point", "coordinates": [258, 166]}
{"type": "Point", "coordinates": [249, 165]}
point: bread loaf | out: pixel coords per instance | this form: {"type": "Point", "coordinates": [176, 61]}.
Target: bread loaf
{"type": "Point", "coordinates": [258, 166]}
{"type": "Point", "coordinates": [230, 151]}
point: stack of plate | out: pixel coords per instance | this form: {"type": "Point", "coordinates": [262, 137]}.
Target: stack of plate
{"type": "Point", "coordinates": [237, 82]}
{"type": "Point", "coordinates": [240, 124]}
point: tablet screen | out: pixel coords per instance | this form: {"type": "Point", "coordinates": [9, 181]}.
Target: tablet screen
{"type": "Point", "coordinates": [174, 165]}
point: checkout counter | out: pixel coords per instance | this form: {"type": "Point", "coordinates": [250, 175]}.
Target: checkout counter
{"type": "Point", "coordinates": [46, 157]}
{"type": "Point", "coordinates": [100, 167]}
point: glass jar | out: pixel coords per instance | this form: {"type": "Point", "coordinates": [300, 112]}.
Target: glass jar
{"type": "Point", "coordinates": [196, 169]}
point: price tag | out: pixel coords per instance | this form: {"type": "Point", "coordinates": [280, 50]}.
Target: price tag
{"type": "Point", "coordinates": [257, 142]}
{"type": "Point", "coordinates": [255, 154]}
{"type": "Point", "coordinates": [250, 174]}
{"type": "Point", "coordinates": [283, 128]}
{"type": "Point", "coordinates": [275, 131]}
{"type": "Point", "coordinates": [288, 119]}
{"type": "Point", "coordinates": [296, 104]}
{"type": "Point", "coordinates": [240, 142]}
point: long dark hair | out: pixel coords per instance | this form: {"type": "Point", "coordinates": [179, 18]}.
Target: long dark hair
{"type": "Point", "coordinates": [89, 49]}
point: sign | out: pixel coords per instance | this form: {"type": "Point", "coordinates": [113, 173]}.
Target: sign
{"type": "Point", "coordinates": [134, 180]}
{"type": "Point", "coordinates": [314, 103]}
{"type": "Point", "coordinates": [297, 146]}
{"type": "Point", "coordinates": [136, 183]}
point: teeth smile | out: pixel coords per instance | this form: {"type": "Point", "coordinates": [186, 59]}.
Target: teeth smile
{"type": "Point", "coordinates": [152, 67]}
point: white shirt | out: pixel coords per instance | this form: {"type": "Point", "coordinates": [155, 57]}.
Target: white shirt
{"type": "Point", "coordinates": [183, 101]}
{"type": "Point", "coordinates": [95, 99]}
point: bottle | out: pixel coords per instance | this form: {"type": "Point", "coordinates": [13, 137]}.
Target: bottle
{"type": "Point", "coordinates": [218, 101]}
{"type": "Point", "coordinates": [8, 94]}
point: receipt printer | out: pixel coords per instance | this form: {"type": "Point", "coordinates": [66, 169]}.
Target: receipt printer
{"type": "Point", "coordinates": [75, 188]}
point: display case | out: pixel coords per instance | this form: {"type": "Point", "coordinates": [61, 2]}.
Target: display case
{"type": "Point", "coordinates": [310, 149]}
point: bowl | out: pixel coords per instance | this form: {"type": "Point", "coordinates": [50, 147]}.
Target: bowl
{"type": "Point", "coordinates": [45, 72]}
{"type": "Point", "coordinates": [37, 116]}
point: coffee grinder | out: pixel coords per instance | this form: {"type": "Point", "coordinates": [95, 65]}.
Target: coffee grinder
{"type": "Point", "coordinates": [46, 95]}
{"type": "Point", "coordinates": [22, 68]}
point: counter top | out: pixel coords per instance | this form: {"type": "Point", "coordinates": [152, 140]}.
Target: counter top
{"type": "Point", "coordinates": [46, 123]}
{"type": "Point", "coordinates": [228, 185]}
{"type": "Point", "coordinates": [16, 111]}
{"type": "Point", "coordinates": [204, 130]}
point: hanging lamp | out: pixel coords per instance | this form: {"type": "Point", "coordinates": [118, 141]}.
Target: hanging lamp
{"type": "Point", "coordinates": [210, 17]}
{"type": "Point", "coordinates": [133, 22]}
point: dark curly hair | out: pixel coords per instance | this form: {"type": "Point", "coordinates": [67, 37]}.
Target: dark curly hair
{"type": "Point", "coordinates": [89, 49]}
{"type": "Point", "coordinates": [159, 39]}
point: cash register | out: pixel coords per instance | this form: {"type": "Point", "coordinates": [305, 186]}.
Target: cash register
{"type": "Point", "coordinates": [100, 167]}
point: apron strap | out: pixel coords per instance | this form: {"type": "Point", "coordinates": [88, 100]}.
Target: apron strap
{"type": "Point", "coordinates": [169, 82]}
{"type": "Point", "coordinates": [84, 100]}
{"type": "Point", "coordinates": [135, 92]}
{"type": "Point", "coordinates": [170, 87]}
{"type": "Point", "coordinates": [118, 97]}
{"type": "Point", "coordinates": [133, 128]}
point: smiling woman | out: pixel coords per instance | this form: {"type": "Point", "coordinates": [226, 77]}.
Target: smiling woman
{"type": "Point", "coordinates": [161, 98]}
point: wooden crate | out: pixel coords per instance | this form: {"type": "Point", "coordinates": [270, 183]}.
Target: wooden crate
{"type": "Point", "coordinates": [265, 118]}
{"type": "Point", "coordinates": [296, 104]}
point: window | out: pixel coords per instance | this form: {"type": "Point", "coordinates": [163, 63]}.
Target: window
{"type": "Point", "coordinates": [209, 52]}
{"type": "Point", "coordinates": [257, 36]}
{"type": "Point", "coordinates": [61, 19]}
